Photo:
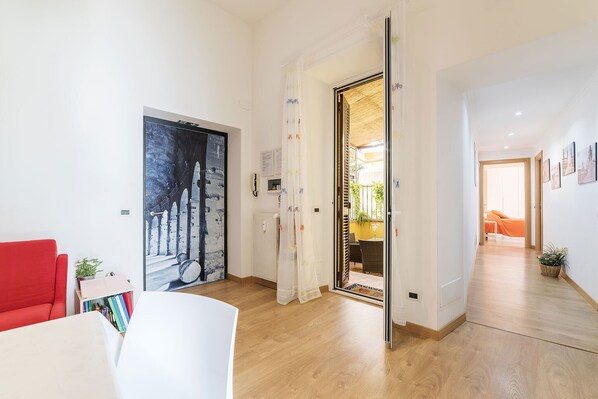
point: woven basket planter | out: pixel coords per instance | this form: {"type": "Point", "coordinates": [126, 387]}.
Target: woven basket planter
{"type": "Point", "coordinates": [550, 271]}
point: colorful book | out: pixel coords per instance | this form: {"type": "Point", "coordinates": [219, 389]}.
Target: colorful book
{"type": "Point", "coordinates": [128, 302]}
{"type": "Point", "coordinates": [122, 310]}
{"type": "Point", "coordinates": [114, 309]}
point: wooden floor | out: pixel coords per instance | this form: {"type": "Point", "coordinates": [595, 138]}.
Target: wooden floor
{"type": "Point", "coordinates": [332, 347]}
{"type": "Point", "coordinates": [508, 292]}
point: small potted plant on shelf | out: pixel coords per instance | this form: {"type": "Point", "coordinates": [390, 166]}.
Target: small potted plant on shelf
{"type": "Point", "coordinates": [86, 269]}
{"type": "Point", "coordinates": [551, 260]}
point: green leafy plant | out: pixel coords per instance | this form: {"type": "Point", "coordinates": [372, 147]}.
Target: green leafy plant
{"type": "Point", "coordinates": [355, 189]}
{"type": "Point", "coordinates": [378, 194]}
{"type": "Point", "coordinates": [361, 217]}
{"type": "Point", "coordinates": [87, 267]}
{"type": "Point", "coordinates": [553, 256]}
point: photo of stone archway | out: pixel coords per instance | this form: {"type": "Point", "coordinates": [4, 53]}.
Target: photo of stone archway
{"type": "Point", "coordinates": [185, 205]}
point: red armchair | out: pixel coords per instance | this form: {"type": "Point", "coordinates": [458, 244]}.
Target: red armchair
{"type": "Point", "coordinates": [32, 283]}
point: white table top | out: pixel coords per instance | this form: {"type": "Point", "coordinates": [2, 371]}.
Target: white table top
{"type": "Point", "coordinates": [72, 357]}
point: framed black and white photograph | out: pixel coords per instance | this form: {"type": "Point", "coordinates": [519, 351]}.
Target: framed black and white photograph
{"type": "Point", "coordinates": [586, 164]}
{"type": "Point", "coordinates": [184, 205]}
{"type": "Point", "coordinates": [569, 159]}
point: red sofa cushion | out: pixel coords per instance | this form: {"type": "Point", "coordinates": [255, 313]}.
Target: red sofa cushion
{"type": "Point", "coordinates": [27, 275]}
{"type": "Point", "coordinates": [25, 316]}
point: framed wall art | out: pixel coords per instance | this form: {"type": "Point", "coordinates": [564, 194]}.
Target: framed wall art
{"type": "Point", "coordinates": [586, 164]}
{"type": "Point", "coordinates": [546, 171]}
{"type": "Point", "coordinates": [184, 205]}
{"type": "Point", "coordinates": [568, 159]}
{"type": "Point", "coordinates": [555, 176]}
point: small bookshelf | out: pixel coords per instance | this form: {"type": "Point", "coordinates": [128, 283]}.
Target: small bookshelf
{"type": "Point", "coordinates": [112, 296]}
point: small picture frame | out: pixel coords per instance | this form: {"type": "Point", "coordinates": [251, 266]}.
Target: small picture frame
{"type": "Point", "coordinates": [546, 170]}
{"type": "Point", "coordinates": [568, 159]}
{"type": "Point", "coordinates": [555, 176]}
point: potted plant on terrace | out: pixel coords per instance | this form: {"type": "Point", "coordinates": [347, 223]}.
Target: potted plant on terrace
{"type": "Point", "coordinates": [86, 269]}
{"type": "Point", "coordinates": [551, 260]}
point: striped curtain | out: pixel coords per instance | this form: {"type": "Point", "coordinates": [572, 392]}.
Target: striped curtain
{"type": "Point", "coordinates": [297, 277]}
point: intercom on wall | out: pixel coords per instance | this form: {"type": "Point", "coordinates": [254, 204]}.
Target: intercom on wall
{"type": "Point", "coordinates": [255, 184]}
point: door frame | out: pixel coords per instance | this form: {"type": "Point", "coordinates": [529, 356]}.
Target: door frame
{"type": "Point", "coordinates": [335, 214]}
{"type": "Point", "coordinates": [527, 194]}
{"type": "Point", "coordinates": [539, 203]}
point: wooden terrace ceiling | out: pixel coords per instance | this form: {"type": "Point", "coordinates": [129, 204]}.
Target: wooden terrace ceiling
{"type": "Point", "coordinates": [366, 113]}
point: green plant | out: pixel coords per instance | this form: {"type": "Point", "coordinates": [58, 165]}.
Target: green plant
{"type": "Point", "coordinates": [356, 195]}
{"type": "Point", "coordinates": [553, 256]}
{"type": "Point", "coordinates": [87, 267]}
{"type": "Point", "coordinates": [378, 194]}
{"type": "Point", "coordinates": [361, 217]}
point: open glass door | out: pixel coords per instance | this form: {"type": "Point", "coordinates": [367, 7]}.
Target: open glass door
{"type": "Point", "coordinates": [388, 187]}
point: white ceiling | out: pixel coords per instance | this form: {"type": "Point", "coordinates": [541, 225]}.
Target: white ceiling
{"type": "Point", "coordinates": [540, 79]}
{"type": "Point", "coordinates": [540, 98]}
{"type": "Point", "coordinates": [250, 11]}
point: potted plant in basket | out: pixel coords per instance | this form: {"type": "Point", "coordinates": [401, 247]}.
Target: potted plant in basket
{"type": "Point", "coordinates": [551, 260]}
{"type": "Point", "coordinates": [86, 269]}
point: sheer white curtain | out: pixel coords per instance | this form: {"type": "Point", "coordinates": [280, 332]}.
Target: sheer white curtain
{"type": "Point", "coordinates": [297, 277]}
{"type": "Point", "coordinates": [397, 33]}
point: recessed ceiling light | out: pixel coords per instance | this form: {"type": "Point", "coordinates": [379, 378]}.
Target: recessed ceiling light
{"type": "Point", "coordinates": [518, 113]}
{"type": "Point", "coordinates": [506, 147]}
{"type": "Point", "coordinates": [511, 134]}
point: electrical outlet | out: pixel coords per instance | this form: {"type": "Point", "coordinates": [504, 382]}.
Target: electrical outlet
{"type": "Point", "coordinates": [125, 212]}
{"type": "Point", "coordinates": [414, 296]}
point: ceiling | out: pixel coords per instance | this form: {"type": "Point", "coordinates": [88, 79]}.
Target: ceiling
{"type": "Point", "coordinates": [366, 113]}
{"type": "Point", "coordinates": [539, 78]}
{"type": "Point", "coordinates": [250, 11]}
{"type": "Point", "coordinates": [540, 99]}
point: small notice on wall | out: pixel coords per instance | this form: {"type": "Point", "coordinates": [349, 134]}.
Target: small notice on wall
{"type": "Point", "coordinates": [271, 162]}
{"type": "Point", "coordinates": [267, 163]}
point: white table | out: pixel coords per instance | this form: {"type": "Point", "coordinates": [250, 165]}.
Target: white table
{"type": "Point", "coordinates": [72, 357]}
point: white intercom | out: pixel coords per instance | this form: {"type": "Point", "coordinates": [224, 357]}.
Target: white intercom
{"type": "Point", "coordinates": [255, 184]}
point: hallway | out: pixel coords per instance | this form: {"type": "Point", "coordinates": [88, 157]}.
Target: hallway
{"type": "Point", "coordinates": [507, 292]}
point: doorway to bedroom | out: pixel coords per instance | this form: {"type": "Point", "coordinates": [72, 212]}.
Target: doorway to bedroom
{"type": "Point", "coordinates": [505, 203]}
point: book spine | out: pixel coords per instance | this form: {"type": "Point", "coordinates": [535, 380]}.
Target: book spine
{"type": "Point", "coordinates": [122, 310]}
{"type": "Point", "coordinates": [114, 309]}
{"type": "Point", "coordinates": [129, 303]}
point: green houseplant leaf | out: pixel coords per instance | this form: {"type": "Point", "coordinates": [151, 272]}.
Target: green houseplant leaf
{"type": "Point", "coordinates": [87, 267]}
{"type": "Point", "coordinates": [553, 255]}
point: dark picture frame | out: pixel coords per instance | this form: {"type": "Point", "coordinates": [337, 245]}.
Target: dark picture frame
{"type": "Point", "coordinates": [568, 160]}
{"type": "Point", "coordinates": [546, 170]}
{"type": "Point", "coordinates": [184, 205]}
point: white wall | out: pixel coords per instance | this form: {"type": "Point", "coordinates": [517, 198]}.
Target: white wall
{"type": "Point", "coordinates": [441, 35]}
{"type": "Point", "coordinates": [571, 212]}
{"type": "Point", "coordinates": [74, 79]}
{"type": "Point", "coordinates": [293, 31]}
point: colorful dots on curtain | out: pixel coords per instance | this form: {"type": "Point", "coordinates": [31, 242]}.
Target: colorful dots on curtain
{"type": "Point", "coordinates": [292, 101]}
{"type": "Point", "coordinates": [301, 190]}
{"type": "Point", "coordinates": [290, 137]}
{"type": "Point", "coordinates": [298, 136]}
